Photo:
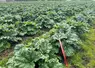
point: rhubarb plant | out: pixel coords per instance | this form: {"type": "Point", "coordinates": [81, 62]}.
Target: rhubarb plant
{"type": "Point", "coordinates": [43, 51]}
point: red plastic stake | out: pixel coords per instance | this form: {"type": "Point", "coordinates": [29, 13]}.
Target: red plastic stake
{"type": "Point", "coordinates": [63, 53]}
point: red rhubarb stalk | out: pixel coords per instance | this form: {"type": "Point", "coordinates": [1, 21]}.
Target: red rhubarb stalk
{"type": "Point", "coordinates": [63, 53]}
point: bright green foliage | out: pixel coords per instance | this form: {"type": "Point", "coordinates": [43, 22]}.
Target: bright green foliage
{"type": "Point", "coordinates": [27, 28]}
{"type": "Point", "coordinates": [36, 28]}
{"type": "Point", "coordinates": [27, 56]}
{"type": "Point", "coordinates": [86, 56]}
{"type": "Point", "coordinates": [43, 50]}
{"type": "Point", "coordinates": [51, 63]}
{"type": "Point", "coordinates": [4, 61]}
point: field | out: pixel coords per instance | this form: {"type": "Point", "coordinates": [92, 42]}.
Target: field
{"type": "Point", "coordinates": [30, 33]}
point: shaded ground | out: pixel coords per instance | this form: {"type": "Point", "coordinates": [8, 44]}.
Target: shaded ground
{"type": "Point", "coordinates": [6, 53]}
